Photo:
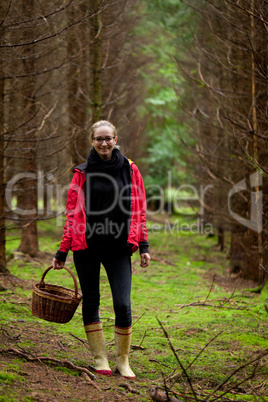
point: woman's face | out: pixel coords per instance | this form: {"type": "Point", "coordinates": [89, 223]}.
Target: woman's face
{"type": "Point", "coordinates": [104, 141]}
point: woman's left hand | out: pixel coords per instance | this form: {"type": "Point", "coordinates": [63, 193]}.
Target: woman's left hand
{"type": "Point", "coordinates": [145, 259]}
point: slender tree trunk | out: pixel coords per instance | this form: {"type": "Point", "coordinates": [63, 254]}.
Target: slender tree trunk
{"type": "Point", "coordinates": [2, 182]}
{"type": "Point", "coordinates": [255, 253]}
{"type": "Point", "coordinates": [246, 243]}
{"type": "Point", "coordinates": [97, 62]}
{"type": "Point", "coordinates": [77, 87]}
{"type": "Point", "coordinates": [29, 238]}
{"type": "Point", "coordinates": [259, 121]}
{"type": "Point", "coordinates": [220, 244]}
{"type": "Point", "coordinates": [255, 139]}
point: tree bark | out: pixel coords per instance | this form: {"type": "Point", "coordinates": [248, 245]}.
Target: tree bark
{"type": "Point", "coordinates": [97, 62]}
{"type": "Point", "coordinates": [259, 121]}
{"type": "Point", "coordinates": [28, 201]}
{"type": "Point", "coordinates": [77, 87]}
{"type": "Point", "coordinates": [2, 182]}
{"type": "Point", "coordinates": [253, 251]}
{"type": "Point", "coordinates": [220, 232]}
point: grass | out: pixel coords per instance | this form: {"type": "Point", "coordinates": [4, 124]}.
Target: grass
{"type": "Point", "coordinates": [171, 290]}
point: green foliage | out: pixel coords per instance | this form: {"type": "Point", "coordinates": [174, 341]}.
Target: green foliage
{"type": "Point", "coordinates": [166, 153]}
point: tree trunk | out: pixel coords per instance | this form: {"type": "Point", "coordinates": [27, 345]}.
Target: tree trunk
{"type": "Point", "coordinates": [253, 253]}
{"type": "Point", "coordinates": [29, 238]}
{"type": "Point", "coordinates": [97, 62]}
{"type": "Point", "coordinates": [77, 87]}
{"type": "Point", "coordinates": [244, 254]}
{"type": "Point", "coordinates": [259, 120]}
{"type": "Point", "coordinates": [220, 232]}
{"type": "Point", "coordinates": [247, 244]}
{"type": "Point", "coordinates": [2, 183]}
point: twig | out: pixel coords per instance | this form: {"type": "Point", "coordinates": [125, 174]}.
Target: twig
{"type": "Point", "coordinates": [162, 364]}
{"type": "Point", "coordinates": [144, 335]}
{"type": "Point", "coordinates": [167, 377]}
{"type": "Point", "coordinates": [137, 347]}
{"type": "Point", "coordinates": [202, 350]}
{"type": "Point", "coordinates": [138, 319]}
{"type": "Point", "coordinates": [234, 372]}
{"type": "Point", "coordinates": [42, 359]}
{"type": "Point", "coordinates": [212, 283]}
{"type": "Point", "coordinates": [61, 346]}
{"type": "Point", "coordinates": [165, 385]}
{"type": "Point", "coordinates": [265, 270]}
{"type": "Point", "coordinates": [22, 350]}
{"type": "Point", "coordinates": [174, 378]}
{"type": "Point", "coordinates": [7, 335]}
{"type": "Point", "coordinates": [178, 360]}
{"type": "Point", "coordinates": [229, 298]}
{"type": "Point", "coordinates": [238, 384]}
{"type": "Point", "coordinates": [79, 339]}
{"type": "Point", "coordinates": [85, 375]}
{"type": "Point", "coordinates": [129, 388]}
{"type": "Point", "coordinates": [202, 303]}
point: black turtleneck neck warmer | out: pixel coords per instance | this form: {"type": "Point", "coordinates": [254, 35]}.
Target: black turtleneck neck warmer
{"type": "Point", "coordinates": [96, 164]}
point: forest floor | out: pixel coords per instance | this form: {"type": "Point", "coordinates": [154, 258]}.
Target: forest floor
{"type": "Point", "coordinates": [198, 334]}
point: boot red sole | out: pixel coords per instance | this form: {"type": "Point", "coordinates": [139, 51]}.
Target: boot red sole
{"type": "Point", "coordinates": [104, 372]}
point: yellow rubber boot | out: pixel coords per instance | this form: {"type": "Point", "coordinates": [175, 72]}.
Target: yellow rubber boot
{"type": "Point", "coordinates": [97, 345]}
{"type": "Point", "coordinates": [122, 338]}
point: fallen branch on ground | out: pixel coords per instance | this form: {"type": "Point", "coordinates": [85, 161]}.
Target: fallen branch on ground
{"type": "Point", "coordinates": [11, 337]}
{"type": "Point", "coordinates": [86, 377]}
{"type": "Point", "coordinates": [63, 363]}
{"type": "Point", "coordinates": [157, 361]}
{"type": "Point", "coordinates": [137, 347]}
{"type": "Point", "coordinates": [129, 388]}
{"type": "Point", "coordinates": [79, 339]}
{"type": "Point", "coordinates": [202, 303]}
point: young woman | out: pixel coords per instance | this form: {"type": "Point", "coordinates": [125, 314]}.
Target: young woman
{"type": "Point", "coordinates": [105, 224]}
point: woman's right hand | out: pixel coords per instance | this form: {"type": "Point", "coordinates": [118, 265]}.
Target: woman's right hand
{"type": "Point", "coordinates": [57, 264]}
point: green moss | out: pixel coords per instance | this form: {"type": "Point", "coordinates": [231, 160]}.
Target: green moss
{"type": "Point", "coordinates": [4, 398]}
{"type": "Point", "coordinates": [8, 378]}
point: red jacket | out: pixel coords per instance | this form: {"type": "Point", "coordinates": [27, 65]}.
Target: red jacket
{"type": "Point", "coordinates": [74, 230]}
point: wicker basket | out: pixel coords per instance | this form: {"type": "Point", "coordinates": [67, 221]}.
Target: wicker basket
{"type": "Point", "coordinates": [55, 303]}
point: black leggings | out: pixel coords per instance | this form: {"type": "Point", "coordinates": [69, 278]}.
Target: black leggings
{"type": "Point", "coordinates": [118, 269]}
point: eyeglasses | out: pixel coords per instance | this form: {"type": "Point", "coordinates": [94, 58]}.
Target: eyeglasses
{"type": "Point", "coordinates": [99, 140]}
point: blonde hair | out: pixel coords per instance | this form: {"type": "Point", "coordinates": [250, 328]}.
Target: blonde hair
{"type": "Point", "coordinates": [101, 123]}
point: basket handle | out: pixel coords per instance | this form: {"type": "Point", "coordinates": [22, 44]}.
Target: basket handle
{"type": "Point", "coordinates": [42, 283]}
